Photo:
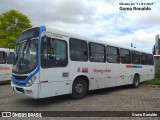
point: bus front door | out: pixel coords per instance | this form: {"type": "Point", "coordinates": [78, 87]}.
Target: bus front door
{"type": "Point", "coordinates": [54, 73]}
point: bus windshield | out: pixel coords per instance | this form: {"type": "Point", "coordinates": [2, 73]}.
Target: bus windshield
{"type": "Point", "coordinates": [26, 56]}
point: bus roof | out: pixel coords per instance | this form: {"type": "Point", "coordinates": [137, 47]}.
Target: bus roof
{"type": "Point", "coordinates": [67, 34]}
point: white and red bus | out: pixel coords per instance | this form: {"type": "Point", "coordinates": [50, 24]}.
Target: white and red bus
{"type": "Point", "coordinates": [50, 62]}
{"type": "Point", "coordinates": [6, 63]}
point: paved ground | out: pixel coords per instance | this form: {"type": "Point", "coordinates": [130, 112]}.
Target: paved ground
{"type": "Point", "coordinates": [115, 99]}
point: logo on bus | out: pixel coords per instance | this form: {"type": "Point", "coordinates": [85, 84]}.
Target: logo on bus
{"type": "Point", "coordinates": [133, 66]}
{"type": "Point", "coordinates": [84, 70]}
{"type": "Point", "coordinates": [101, 71]}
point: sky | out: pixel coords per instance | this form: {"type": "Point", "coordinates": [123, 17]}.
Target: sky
{"type": "Point", "coordinates": [115, 21]}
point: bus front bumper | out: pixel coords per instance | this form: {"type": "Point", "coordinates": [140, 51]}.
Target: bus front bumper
{"type": "Point", "coordinates": [31, 91]}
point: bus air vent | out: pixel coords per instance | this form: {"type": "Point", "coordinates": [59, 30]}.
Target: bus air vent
{"type": "Point", "coordinates": [20, 77]}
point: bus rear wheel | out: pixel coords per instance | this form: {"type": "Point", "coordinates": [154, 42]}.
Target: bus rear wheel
{"type": "Point", "coordinates": [135, 81]}
{"type": "Point", "coordinates": [79, 89]}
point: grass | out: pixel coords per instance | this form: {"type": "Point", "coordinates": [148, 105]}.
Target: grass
{"type": "Point", "coordinates": [156, 80]}
{"type": "Point", "coordinates": [157, 69]}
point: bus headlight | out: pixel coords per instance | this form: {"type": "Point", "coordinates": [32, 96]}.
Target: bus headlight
{"type": "Point", "coordinates": [31, 81]}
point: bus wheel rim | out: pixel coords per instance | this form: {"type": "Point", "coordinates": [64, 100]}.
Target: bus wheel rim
{"type": "Point", "coordinates": [79, 88]}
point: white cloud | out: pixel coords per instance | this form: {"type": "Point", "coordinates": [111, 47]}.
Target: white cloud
{"type": "Point", "coordinates": [100, 19]}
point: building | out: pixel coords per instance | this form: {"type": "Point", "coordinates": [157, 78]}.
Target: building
{"type": "Point", "coordinates": [156, 47]}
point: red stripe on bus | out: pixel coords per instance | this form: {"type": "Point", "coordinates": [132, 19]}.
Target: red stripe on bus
{"type": "Point", "coordinates": [128, 66]}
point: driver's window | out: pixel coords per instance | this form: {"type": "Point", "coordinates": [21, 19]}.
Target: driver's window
{"type": "Point", "coordinates": [53, 52]}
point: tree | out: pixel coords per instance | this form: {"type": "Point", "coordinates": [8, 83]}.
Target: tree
{"type": "Point", "coordinates": [12, 23]}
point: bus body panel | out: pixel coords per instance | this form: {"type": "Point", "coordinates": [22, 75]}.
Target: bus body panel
{"type": "Point", "coordinates": [97, 74]}
{"type": "Point", "coordinates": [91, 70]}
{"type": "Point", "coordinates": [3, 72]}
{"type": "Point", "coordinates": [119, 74]}
{"type": "Point", "coordinates": [8, 71]}
{"type": "Point", "coordinates": [54, 88]}
{"type": "Point", "coordinates": [76, 70]}
{"type": "Point", "coordinates": [5, 68]}
{"type": "Point", "coordinates": [151, 72]}
{"type": "Point", "coordinates": [113, 75]}
{"type": "Point", "coordinates": [144, 73]}
{"type": "Point", "coordinates": [53, 80]}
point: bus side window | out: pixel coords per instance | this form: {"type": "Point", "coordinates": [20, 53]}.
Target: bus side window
{"type": "Point", "coordinates": [143, 59]}
{"type": "Point", "coordinates": [10, 58]}
{"type": "Point", "coordinates": [2, 57]}
{"type": "Point", "coordinates": [135, 57]}
{"type": "Point", "coordinates": [125, 56]}
{"type": "Point", "coordinates": [112, 54]}
{"type": "Point", "coordinates": [78, 50]}
{"type": "Point", "coordinates": [97, 52]}
{"type": "Point", "coordinates": [150, 59]}
{"type": "Point", "coordinates": [53, 52]}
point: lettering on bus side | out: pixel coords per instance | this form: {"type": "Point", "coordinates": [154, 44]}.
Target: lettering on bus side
{"type": "Point", "coordinates": [101, 71]}
{"type": "Point", "coordinates": [83, 70]}
{"type": "Point", "coordinates": [4, 68]}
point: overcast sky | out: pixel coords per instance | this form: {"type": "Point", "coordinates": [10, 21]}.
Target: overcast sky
{"type": "Point", "coordinates": [99, 19]}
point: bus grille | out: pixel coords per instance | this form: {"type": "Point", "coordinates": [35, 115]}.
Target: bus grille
{"type": "Point", "coordinates": [20, 89]}
{"type": "Point", "coordinates": [20, 77]}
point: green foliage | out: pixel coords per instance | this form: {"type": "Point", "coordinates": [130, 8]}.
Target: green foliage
{"type": "Point", "coordinates": [12, 23]}
{"type": "Point", "coordinates": [153, 82]}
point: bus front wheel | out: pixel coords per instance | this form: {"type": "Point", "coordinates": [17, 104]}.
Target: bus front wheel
{"type": "Point", "coordinates": [79, 88]}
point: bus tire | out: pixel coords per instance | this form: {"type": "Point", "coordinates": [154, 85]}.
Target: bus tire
{"type": "Point", "coordinates": [135, 81]}
{"type": "Point", "coordinates": [79, 89]}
